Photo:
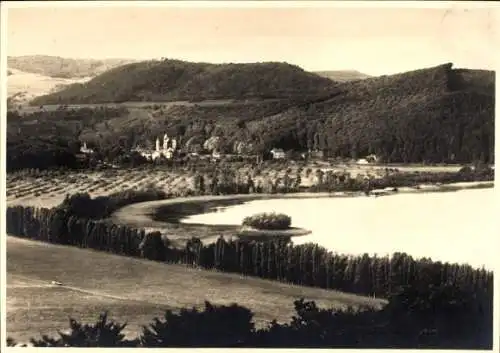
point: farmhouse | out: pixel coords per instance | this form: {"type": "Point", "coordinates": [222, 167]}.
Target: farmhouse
{"type": "Point", "coordinates": [277, 153]}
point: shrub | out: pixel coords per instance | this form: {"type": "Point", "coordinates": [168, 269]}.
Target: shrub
{"type": "Point", "coordinates": [273, 221]}
{"type": "Point", "coordinates": [103, 333]}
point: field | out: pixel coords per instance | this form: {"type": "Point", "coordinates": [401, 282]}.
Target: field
{"type": "Point", "coordinates": [49, 190]}
{"type": "Point", "coordinates": [139, 291]}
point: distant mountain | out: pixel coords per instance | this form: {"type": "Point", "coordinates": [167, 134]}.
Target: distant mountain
{"type": "Point", "coordinates": [343, 75]}
{"type": "Point", "coordinates": [174, 80]}
{"type": "Point", "coordinates": [22, 86]}
{"type": "Point", "coordinates": [54, 66]}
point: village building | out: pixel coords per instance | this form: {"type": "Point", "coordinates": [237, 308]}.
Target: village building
{"type": "Point", "coordinates": [368, 159]}
{"type": "Point", "coordinates": [278, 153]}
{"type": "Point", "coordinates": [316, 154]}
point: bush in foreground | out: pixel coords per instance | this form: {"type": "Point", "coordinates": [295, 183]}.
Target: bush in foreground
{"type": "Point", "coordinates": [271, 221]}
{"type": "Point", "coordinates": [443, 317]}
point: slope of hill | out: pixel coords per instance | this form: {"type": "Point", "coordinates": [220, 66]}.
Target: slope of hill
{"type": "Point", "coordinates": [343, 75]}
{"type": "Point", "coordinates": [436, 114]}
{"type": "Point", "coordinates": [54, 66]}
{"type": "Point", "coordinates": [173, 80]}
{"type": "Point", "coordinates": [139, 290]}
{"type": "Point", "coordinates": [22, 86]}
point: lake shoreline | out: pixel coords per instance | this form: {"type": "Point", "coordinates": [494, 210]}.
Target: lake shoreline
{"type": "Point", "coordinates": [167, 215]}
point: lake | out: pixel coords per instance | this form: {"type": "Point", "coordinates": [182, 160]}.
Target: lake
{"type": "Point", "coordinates": [455, 226]}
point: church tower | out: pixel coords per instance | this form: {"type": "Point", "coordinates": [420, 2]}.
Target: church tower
{"type": "Point", "coordinates": [157, 144]}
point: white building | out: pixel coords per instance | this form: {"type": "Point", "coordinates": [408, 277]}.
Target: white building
{"type": "Point", "coordinates": [85, 149]}
{"type": "Point", "coordinates": [160, 150]}
{"type": "Point", "coordinates": [278, 153]}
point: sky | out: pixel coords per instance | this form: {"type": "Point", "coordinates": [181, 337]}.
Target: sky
{"type": "Point", "coordinates": [375, 41]}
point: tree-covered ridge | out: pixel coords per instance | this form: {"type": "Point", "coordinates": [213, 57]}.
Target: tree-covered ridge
{"type": "Point", "coordinates": [174, 80]}
{"type": "Point", "coordinates": [431, 115]}
{"type": "Point", "coordinates": [55, 66]}
{"type": "Point", "coordinates": [436, 114]}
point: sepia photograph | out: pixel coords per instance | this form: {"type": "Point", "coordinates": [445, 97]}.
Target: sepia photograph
{"type": "Point", "coordinates": [266, 174]}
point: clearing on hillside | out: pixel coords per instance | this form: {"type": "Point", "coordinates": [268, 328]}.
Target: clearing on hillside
{"type": "Point", "coordinates": [137, 291]}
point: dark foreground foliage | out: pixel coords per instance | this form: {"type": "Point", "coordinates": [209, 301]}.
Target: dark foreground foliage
{"type": "Point", "coordinates": [442, 316]}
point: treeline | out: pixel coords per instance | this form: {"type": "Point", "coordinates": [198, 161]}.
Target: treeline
{"type": "Point", "coordinates": [308, 264]}
{"type": "Point", "coordinates": [225, 181]}
{"type": "Point", "coordinates": [444, 317]}
{"type": "Point", "coordinates": [81, 205]}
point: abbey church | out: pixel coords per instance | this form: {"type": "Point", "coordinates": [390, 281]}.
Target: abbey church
{"type": "Point", "coordinates": [167, 150]}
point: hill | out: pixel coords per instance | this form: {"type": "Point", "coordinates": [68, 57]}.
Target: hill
{"type": "Point", "coordinates": [57, 67]}
{"type": "Point", "coordinates": [139, 291]}
{"type": "Point", "coordinates": [437, 114]}
{"type": "Point", "coordinates": [434, 114]}
{"type": "Point", "coordinates": [173, 80]}
{"type": "Point", "coordinates": [343, 75]}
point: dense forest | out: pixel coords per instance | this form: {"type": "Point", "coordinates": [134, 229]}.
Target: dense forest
{"type": "Point", "coordinates": [431, 304]}
{"type": "Point", "coordinates": [434, 115]}
{"type": "Point", "coordinates": [174, 80]}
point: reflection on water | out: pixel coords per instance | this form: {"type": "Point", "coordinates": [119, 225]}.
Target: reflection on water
{"type": "Point", "coordinates": [454, 226]}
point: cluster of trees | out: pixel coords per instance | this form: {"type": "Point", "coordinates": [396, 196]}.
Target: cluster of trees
{"type": "Point", "coordinates": [308, 264]}
{"type": "Point", "coordinates": [81, 205]}
{"type": "Point", "coordinates": [443, 316]}
{"type": "Point", "coordinates": [227, 181]}
{"type": "Point", "coordinates": [274, 221]}
{"type": "Point", "coordinates": [50, 139]}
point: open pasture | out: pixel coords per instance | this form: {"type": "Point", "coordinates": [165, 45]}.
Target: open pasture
{"type": "Point", "coordinates": [138, 290]}
{"type": "Point", "coordinates": [49, 189]}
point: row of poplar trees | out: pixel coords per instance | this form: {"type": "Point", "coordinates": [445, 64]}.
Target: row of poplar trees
{"type": "Point", "coordinates": [307, 264]}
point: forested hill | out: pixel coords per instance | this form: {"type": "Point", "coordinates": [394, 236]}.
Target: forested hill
{"type": "Point", "coordinates": [434, 114]}
{"type": "Point", "coordinates": [174, 80]}
{"type": "Point", "coordinates": [437, 114]}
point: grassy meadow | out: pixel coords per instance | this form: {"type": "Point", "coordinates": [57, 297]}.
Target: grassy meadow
{"type": "Point", "coordinates": [137, 290]}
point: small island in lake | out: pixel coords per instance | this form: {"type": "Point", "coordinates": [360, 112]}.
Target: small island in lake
{"type": "Point", "coordinates": [264, 225]}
